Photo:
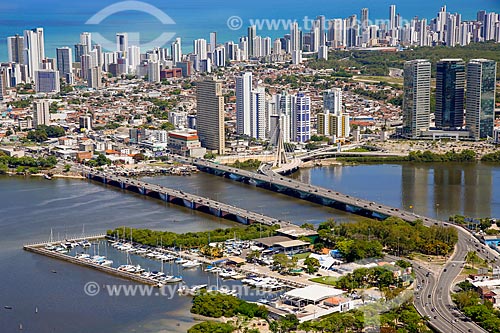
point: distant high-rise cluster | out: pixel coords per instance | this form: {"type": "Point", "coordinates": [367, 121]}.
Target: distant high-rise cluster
{"type": "Point", "coordinates": [456, 82]}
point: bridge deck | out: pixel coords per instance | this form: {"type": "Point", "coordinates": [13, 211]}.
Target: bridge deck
{"type": "Point", "coordinates": [194, 201]}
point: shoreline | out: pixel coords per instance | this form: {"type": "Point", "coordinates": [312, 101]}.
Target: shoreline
{"type": "Point", "coordinates": [11, 173]}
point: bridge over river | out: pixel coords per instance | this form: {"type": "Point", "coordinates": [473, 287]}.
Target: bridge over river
{"type": "Point", "coordinates": [181, 198]}
{"type": "Point", "coordinates": [317, 194]}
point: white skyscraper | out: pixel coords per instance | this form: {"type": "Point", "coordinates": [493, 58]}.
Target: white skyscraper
{"type": "Point", "coordinates": [258, 114]}
{"type": "Point", "coordinates": [200, 49]}
{"type": "Point", "coordinates": [337, 32]}
{"type": "Point", "coordinates": [286, 104]}
{"type": "Point", "coordinates": [94, 78]}
{"type": "Point", "coordinates": [176, 51]}
{"type": "Point", "coordinates": [154, 71]}
{"type": "Point", "coordinates": [86, 41]}
{"type": "Point", "coordinates": [417, 97]}
{"type": "Point", "coordinates": [34, 50]}
{"type": "Point", "coordinates": [244, 103]}
{"type": "Point", "coordinates": [392, 20]}
{"type": "Point", "coordinates": [41, 112]}
{"type": "Point", "coordinates": [295, 37]}
{"type": "Point", "coordinates": [213, 41]}
{"type": "Point", "coordinates": [134, 57]}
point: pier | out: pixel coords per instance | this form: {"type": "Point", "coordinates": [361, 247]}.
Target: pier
{"type": "Point", "coordinates": [192, 201]}
{"type": "Point", "coordinates": [39, 248]}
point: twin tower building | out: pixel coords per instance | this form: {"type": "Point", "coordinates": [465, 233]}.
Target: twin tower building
{"type": "Point", "coordinates": [465, 98]}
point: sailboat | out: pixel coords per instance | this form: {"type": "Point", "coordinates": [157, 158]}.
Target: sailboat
{"type": "Point", "coordinates": [224, 290]}
{"type": "Point", "coordinates": [49, 246]}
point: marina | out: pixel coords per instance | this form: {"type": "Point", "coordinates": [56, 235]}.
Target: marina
{"type": "Point", "coordinates": [68, 250]}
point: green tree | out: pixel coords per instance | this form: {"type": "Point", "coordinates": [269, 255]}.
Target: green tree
{"type": "Point", "coordinates": [312, 265]}
{"type": "Point", "coordinates": [102, 160]}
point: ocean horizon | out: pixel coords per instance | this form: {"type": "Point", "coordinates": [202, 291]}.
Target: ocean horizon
{"type": "Point", "coordinates": [64, 21]}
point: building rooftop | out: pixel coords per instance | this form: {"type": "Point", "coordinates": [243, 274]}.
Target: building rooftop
{"type": "Point", "coordinates": [313, 293]}
{"type": "Point", "coordinates": [296, 231]}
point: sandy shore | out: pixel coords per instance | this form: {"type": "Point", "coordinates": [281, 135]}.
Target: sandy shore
{"type": "Point", "coordinates": [68, 176]}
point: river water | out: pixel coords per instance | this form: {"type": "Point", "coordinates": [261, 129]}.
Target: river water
{"type": "Point", "coordinates": [31, 207]}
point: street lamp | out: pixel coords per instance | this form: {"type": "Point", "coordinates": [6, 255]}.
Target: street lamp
{"type": "Point", "coordinates": [437, 211]}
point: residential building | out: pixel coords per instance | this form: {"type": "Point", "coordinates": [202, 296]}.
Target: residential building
{"type": "Point", "coordinates": [210, 115]}
{"type": "Point", "coordinates": [244, 104]}
{"type": "Point", "coordinates": [302, 118]}
{"type": "Point", "coordinates": [417, 97]}
{"type": "Point", "coordinates": [41, 113]}
{"type": "Point", "coordinates": [480, 98]}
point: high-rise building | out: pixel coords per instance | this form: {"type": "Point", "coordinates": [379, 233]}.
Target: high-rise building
{"type": "Point", "coordinates": [34, 51]}
{"type": "Point", "coordinates": [252, 33]}
{"type": "Point", "coordinates": [295, 36]}
{"type": "Point", "coordinates": [176, 50]}
{"type": "Point", "coordinates": [392, 20]}
{"type": "Point", "coordinates": [47, 81]}
{"type": "Point", "coordinates": [331, 125]}
{"type": "Point", "coordinates": [3, 82]}
{"type": "Point", "coordinates": [259, 119]}
{"type": "Point", "coordinates": [85, 122]}
{"type": "Point", "coordinates": [41, 112]}
{"type": "Point", "coordinates": [332, 122]}
{"type": "Point", "coordinates": [364, 19]}
{"type": "Point", "coordinates": [134, 57]}
{"type": "Point", "coordinates": [285, 105]}
{"type": "Point", "coordinates": [450, 93]}
{"type": "Point", "coordinates": [79, 51]}
{"type": "Point", "coordinates": [332, 100]}
{"type": "Point", "coordinates": [154, 71]}
{"type": "Point", "coordinates": [200, 49]}
{"type": "Point", "coordinates": [86, 42]}
{"type": "Point", "coordinates": [121, 43]}
{"type": "Point", "coordinates": [94, 77]}
{"type": "Point", "coordinates": [480, 98]}
{"type": "Point", "coordinates": [213, 41]}
{"type": "Point", "coordinates": [417, 97]}
{"type": "Point", "coordinates": [64, 61]}
{"type": "Point", "coordinates": [244, 103]}
{"type": "Point", "coordinates": [302, 118]}
{"type": "Point", "coordinates": [210, 114]}
{"type": "Point", "coordinates": [15, 45]}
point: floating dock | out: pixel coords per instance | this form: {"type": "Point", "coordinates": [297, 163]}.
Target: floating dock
{"type": "Point", "coordinates": [39, 248]}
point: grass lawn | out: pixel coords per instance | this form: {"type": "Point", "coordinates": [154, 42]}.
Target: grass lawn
{"type": "Point", "coordinates": [302, 255]}
{"type": "Point", "coordinates": [438, 260]}
{"type": "Point", "coordinates": [328, 280]}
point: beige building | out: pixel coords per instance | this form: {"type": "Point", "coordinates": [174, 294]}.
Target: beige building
{"type": "Point", "coordinates": [210, 116]}
{"type": "Point", "coordinates": [41, 113]}
{"type": "Point", "coordinates": [336, 126]}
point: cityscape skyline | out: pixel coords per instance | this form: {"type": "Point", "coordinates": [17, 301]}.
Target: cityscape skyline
{"type": "Point", "coordinates": [59, 38]}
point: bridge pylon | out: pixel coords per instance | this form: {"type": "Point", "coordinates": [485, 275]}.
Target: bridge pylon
{"type": "Point", "coordinates": [280, 157]}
